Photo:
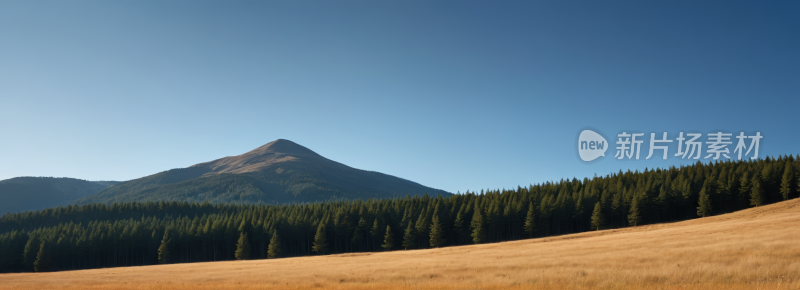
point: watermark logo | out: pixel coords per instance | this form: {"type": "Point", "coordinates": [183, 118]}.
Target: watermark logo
{"type": "Point", "coordinates": [591, 145]}
{"type": "Point", "coordinates": [684, 145]}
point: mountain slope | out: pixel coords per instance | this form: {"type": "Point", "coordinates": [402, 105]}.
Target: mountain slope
{"type": "Point", "coordinates": [33, 193]}
{"type": "Point", "coordinates": [280, 171]}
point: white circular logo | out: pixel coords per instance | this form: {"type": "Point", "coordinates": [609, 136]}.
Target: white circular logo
{"type": "Point", "coordinates": [591, 145]}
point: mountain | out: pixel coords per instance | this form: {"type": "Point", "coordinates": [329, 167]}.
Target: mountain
{"type": "Point", "coordinates": [33, 193]}
{"type": "Point", "coordinates": [279, 172]}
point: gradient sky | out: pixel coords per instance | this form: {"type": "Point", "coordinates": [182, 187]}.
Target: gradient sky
{"type": "Point", "coordinates": [454, 95]}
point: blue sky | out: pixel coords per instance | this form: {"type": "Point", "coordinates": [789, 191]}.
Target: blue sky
{"type": "Point", "coordinates": [454, 95]}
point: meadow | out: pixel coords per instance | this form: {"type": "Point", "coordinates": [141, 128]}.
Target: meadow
{"type": "Point", "coordinates": [756, 248]}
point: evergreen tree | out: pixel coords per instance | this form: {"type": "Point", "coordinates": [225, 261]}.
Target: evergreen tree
{"type": "Point", "coordinates": [478, 227]}
{"type": "Point", "coordinates": [274, 246]}
{"type": "Point", "coordinates": [634, 218]}
{"type": "Point", "coordinates": [409, 239]}
{"type": "Point", "coordinates": [458, 227]}
{"type": "Point", "coordinates": [744, 190]}
{"type": "Point", "coordinates": [242, 247]}
{"type": "Point", "coordinates": [358, 233]}
{"type": "Point", "coordinates": [756, 192]}
{"type": "Point", "coordinates": [664, 199]}
{"type": "Point", "coordinates": [388, 239]}
{"type": "Point", "coordinates": [787, 182]}
{"type": "Point", "coordinates": [29, 253]}
{"type": "Point", "coordinates": [530, 220]}
{"type": "Point", "coordinates": [42, 263]}
{"type": "Point", "coordinates": [704, 208]}
{"type": "Point", "coordinates": [616, 209]}
{"type": "Point", "coordinates": [798, 186]}
{"type": "Point", "coordinates": [437, 232]}
{"type": "Point", "coordinates": [598, 220]}
{"type": "Point", "coordinates": [376, 231]}
{"type": "Point", "coordinates": [723, 193]}
{"type": "Point", "coordinates": [163, 249]}
{"type": "Point", "coordinates": [422, 228]}
{"type": "Point", "coordinates": [320, 241]}
{"type": "Point", "coordinates": [244, 226]}
{"type": "Point", "coordinates": [770, 182]}
{"type": "Point", "coordinates": [578, 212]}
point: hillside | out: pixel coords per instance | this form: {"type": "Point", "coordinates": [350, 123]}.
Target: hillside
{"type": "Point", "coordinates": [34, 193]}
{"type": "Point", "coordinates": [280, 171]}
{"type": "Point", "coordinates": [754, 248]}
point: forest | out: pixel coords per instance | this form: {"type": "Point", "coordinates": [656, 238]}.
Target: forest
{"type": "Point", "coordinates": [144, 233]}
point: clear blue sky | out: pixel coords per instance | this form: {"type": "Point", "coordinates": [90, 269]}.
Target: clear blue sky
{"type": "Point", "coordinates": [455, 95]}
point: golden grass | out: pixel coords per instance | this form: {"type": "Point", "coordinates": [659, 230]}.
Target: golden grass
{"type": "Point", "coordinates": [757, 248]}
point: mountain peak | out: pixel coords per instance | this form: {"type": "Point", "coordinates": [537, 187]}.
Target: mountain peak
{"type": "Point", "coordinates": [283, 146]}
{"type": "Point", "coordinates": [259, 159]}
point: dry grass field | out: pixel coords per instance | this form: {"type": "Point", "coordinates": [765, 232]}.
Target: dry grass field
{"type": "Point", "coordinates": [757, 248]}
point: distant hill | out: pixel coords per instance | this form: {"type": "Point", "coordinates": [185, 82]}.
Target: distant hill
{"type": "Point", "coordinates": [34, 193]}
{"type": "Point", "coordinates": [281, 171]}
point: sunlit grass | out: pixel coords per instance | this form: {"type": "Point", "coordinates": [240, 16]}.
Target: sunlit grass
{"type": "Point", "coordinates": [752, 249]}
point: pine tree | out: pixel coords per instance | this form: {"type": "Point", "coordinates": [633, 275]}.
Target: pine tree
{"type": "Point", "coordinates": [422, 227]}
{"type": "Point", "coordinates": [388, 239]}
{"type": "Point", "coordinates": [578, 212]}
{"type": "Point", "coordinates": [723, 193]}
{"type": "Point", "coordinates": [409, 239]}
{"type": "Point", "coordinates": [634, 218]}
{"type": "Point", "coordinates": [42, 263]}
{"type": "Point", "coordinates": [377, 227]}
{"type": "Point", "coordinates": [437, 232]}
{"type": "Point", "coordinates": [664, 199]}
{"type": "Point", "coordinates": [242, 247]}
{"type": "Point", "coordinates": [458, 227]}
{"type": "Point", "coordinates": [798, 186]}
{"type": "Point", "coordinates": [274, 250]}
{"type": "Point", "coordinates": [478, 226]}
{"type": "Point", "coordinates": [358, 233]}
{"type": "Point", "coordinates": [29, 253]}
{"type": "Point", "coordinates": [598, 220]}
{"type": "Point", "coordinates": [744, 190]}
{"type": "Point", "coordinates": [320, 241]}
{"type": "Point", "coordinates": [787, 182]}
{"type": "Point", "coordinates": [704, 208]}
{"type": "Point", "coordinates": [244, 226]}
{"type": "Point", "coordinates": [756, 192]}
{"type": "Point", "coordinates": [530, 221]}
{"type": "Point", "coordinates": [163, 249]}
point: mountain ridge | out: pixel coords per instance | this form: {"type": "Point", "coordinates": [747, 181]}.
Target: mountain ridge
{"type": "Point", "coordinates": [279, 171]}
{"type": "Point", "coordinates": [34, 193]}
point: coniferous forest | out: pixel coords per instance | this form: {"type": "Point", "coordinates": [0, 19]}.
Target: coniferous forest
{"type": "Point", "coordinates": [129, 234]}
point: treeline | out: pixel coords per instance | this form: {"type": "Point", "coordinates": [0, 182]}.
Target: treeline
{"type": "Point", "coordinates": [128, 234]}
